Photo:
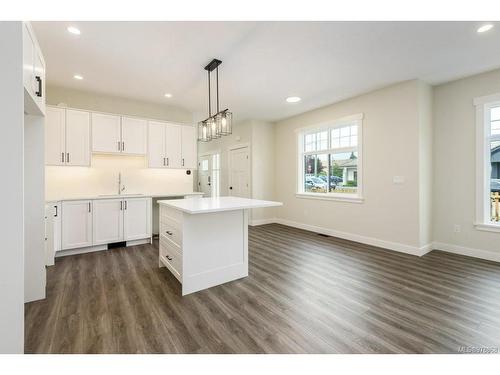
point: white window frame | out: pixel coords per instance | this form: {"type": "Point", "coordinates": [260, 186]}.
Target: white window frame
{"type": "Point", "coordinates": [356, 119]}
{"type": "Point", "coordinates": [483, 161]}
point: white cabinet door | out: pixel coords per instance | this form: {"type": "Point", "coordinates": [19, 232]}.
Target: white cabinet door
{"type": "Point", "coordinates": [134, 136]}
{"type": "Point", "coordinates": [28, 60]}
{"type": "Point", "coordinates": [39, 75]}
{"type": "Point", "coordinates": [106, 133]}
{"type": "Point", "coordinates": [76, 224]}
{"type": "Point", "coordinates": [189, 147]}
{"type": "Point", "coordinates": [173, 147]}
{"type": "Point", "coordinates": [77, 137]}
{"type": "Point", "coordinates": [156, 144]}
{"type": "Point", "coordinates": [55, 141]}
{"type": "Point", "coordinates": [107, 221]}
{"type": "Point", "coordinates": [137, 218]}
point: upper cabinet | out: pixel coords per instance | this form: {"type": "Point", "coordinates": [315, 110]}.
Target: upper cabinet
{"type": "Point", "coordinates": [67, 137]}
{"type": "Point", "coordinates": [33, 73]}
{"type": "Point", "coordinates": [117, 134]}
{"type": "Point", "coordinates": [171, 146]}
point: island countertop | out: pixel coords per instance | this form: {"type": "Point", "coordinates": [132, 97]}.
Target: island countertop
{"type": "Point", "coordinates": [218, 204]}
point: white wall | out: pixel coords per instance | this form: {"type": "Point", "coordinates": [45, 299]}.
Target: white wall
{"type": "Point", "coordinates": [390, 215]}
{"type": "Point", "coordinates": [11, 165]}
{"type": "Point", "coordinates": [106, 103]}
{"type": "Point", "coordinates": [454, 165]}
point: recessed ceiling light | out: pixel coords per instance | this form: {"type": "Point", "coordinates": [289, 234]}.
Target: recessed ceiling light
{"type": "Point", "coordinates": [78, 77]}
{"type": "Point", "coordinates": [73, 30]}
{"type": "Point", "coordinates": [167, 95]}
{"type": "Point", "coordinates": [293, 99]}
{"type": "Point", "coordinates": [485, 28]}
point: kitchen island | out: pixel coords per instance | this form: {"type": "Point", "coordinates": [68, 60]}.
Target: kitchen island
{"type": "Point", "coordinates": [204, 241]}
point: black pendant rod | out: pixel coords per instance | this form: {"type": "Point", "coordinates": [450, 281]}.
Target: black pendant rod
{"type": "Point", "coordinates": [209, 99]}
{"type": "Point", "coordinates": [217, 81]}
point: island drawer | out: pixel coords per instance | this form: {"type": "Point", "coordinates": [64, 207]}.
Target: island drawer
{"type": "Point", "coordinates": [171, 256]}
{"type": "Point", "coordinates": [171, 213]}
{"type": "Point", "coordinates": [171, 230]}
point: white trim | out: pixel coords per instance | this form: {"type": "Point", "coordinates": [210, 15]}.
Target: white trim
{"type": "Point", "coordinates": [239, 145]}
{"type": "Point", "coordinates": [389, 245]}
{"type": "Point", "coordinates": [468, 251]}
{"type": "Point", "coordinates": [481, 100]}
{"type": "Point", "coordinates": [254, 223]}
{"type": "Point", "coordinates": [487, 227]}
{"type": "Point", "coordinates": [349, 198]}
{"type": "Point", "coordinates": [335, 123]}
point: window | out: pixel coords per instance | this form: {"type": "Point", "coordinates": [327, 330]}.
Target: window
{"type": "Point", "coordinates": [330, 160]}
{"type": "Point", "coordinates": [488, 162]}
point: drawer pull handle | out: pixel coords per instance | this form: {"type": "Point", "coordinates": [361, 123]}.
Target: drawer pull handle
{"type": "Point", "coordinates": [169, 258]}
{"type": "Point", "coordinates": [169, 233]}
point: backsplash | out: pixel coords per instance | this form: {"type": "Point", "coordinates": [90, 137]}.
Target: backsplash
{"type": "Point", "coordinates": [102, 178]}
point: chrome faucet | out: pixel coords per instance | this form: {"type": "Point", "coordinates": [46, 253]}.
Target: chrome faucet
{"type": "Point", "coordinates": [120, 187]}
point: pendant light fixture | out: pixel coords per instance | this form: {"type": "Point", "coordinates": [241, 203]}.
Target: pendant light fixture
{"type": "Point", "coordinates": [219, 124]}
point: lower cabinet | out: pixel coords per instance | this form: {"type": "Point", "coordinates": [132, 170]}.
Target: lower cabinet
{"type": "Point", "coordinates": [76, 224]}
{"type": "Point", "coordinates": [87, 223]}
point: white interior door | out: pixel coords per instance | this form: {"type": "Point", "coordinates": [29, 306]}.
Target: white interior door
{"type": "Point", "coordinates": [137, 218]}
{"type": "Point", "coordinates": [134, 136]}
{"type": "Point", "coordinates": [239, 172]}
{"type": "Point", "coordinates": [204, 175]}
{"type": "Point", "coordinates": [106, 133]}
{"type": "Point", "coordinates": [77, 137]}
{"type": "Point", "coordinates": [156, 144]}
{"type": "Point", "coordinates": [189, 147]}
{"type": "Point", "coordinates": [173, 146]}
{"type": "Point", "coordinates": [76, 224]}
{"type": "Point", "coordinates": [107, 221]}
{"type": "Point", "coordinates": [55, 153]}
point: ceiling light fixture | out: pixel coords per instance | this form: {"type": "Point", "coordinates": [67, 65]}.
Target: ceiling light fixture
{"type": "Point", "coordinates": [73, 30]}
{"type": "Point", "coordinates": [167, 95]}
{"type": "Point", "coordinates": [485, 28]}
{"type": "Point", "coordinates": [293, 99]}
{"type": "Point", "coordinates": [219, 124]}
{"type": "Point", "coordinates": [78, 77]}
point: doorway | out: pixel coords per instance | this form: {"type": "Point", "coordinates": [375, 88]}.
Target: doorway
{"type": "Point", "coordinates": [209, 174]}
{"type": "Point", "coordinates": [239, 171]}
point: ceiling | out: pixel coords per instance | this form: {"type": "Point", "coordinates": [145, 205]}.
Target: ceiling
{"type": "Point", "coordinates": [263, 62]}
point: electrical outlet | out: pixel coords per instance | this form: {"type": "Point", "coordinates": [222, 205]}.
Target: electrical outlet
{"type": "Point", "coordinates": [457, 228]}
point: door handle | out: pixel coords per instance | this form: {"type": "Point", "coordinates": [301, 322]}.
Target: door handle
{"type": "Point", "coordinates": [39, 92]}
{"type": "Point", "coordinates": [169, 258]}
{"type": "Point", "coordinates": [168, 232]}
{"type": "Point", "coordinates": [230, 188]}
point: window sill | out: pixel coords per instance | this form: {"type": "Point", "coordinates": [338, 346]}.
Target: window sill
{"type": "Point", "coordinates": [330, 197]}
{"type": "Point", "coordinates": [488, 227]}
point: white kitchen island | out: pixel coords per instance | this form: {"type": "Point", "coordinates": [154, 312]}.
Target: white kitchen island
{"type": "Point", "coordinates": [204, 241]}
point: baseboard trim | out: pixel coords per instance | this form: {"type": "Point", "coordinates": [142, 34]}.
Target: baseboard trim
{"type": "Point", "coordinates": [396, 246]}
{"type": "Point", "coordinates": [254, 223]}
{"type": "Point", "coordinates": [91, 249]}
{"type": "Point", "coordinates": [467, 251]}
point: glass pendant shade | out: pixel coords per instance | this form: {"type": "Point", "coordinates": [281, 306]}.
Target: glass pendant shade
{"type": "Point", "coordinates": [213, 128]}
{"type": "Point", "coordinates": [204, 131]}
{"type": "Point", "coordinates": [226, 122]}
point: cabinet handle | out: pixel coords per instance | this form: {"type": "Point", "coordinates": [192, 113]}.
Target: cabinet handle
{"type": "Point", "coordinates": [121, 205]}
{"type": "Point", "coordinates": [163, 161]}
{"type": "Point", "coordinates": [56, 211]}
{"type": "Point", "coordinates": [123, 146]}
{"type": "Point", "coordinates": [169, 258]}
{"type": "Point", "coordinates": [119, 146]}
{"type": "Point", "coordinates": [39, 92]}
{"type": "Point", "coordinates": [125, 204]}
{"type": "Point", "coordinates": [167, 162]}
{"type": "Point", "coordinates": [183, 162]}
{"type": "Point", "coordinates": [62, 157]}
{"type": "Point", "coordinates": [89, 206]}
{"type": "Point", "coordinates": [67, 157]}
{"type": "Point", "coordinates": [168, 232]}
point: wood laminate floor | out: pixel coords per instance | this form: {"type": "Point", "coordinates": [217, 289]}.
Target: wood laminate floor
{"type": "Point", "coordinates": [305, 294]}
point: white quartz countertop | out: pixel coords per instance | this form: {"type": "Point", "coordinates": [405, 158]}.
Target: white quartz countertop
{"type": "Point", "coordinates": [124, 196]}
{"type": "Point", "coordinates": [206, 205]}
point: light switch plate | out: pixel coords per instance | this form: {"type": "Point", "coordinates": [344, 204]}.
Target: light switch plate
{"type": "Point", "coordinates": [398, 180]}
